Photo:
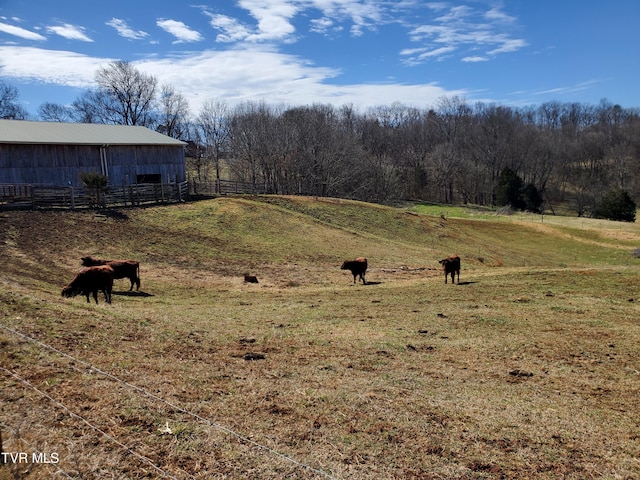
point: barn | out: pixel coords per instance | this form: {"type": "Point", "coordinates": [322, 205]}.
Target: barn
{"type": "Point", "coordinates": [55, 154]}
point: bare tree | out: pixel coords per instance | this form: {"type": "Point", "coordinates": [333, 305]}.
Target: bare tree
{"type": "Point", "coordinates": [125, 95]}
{"type": "Point", "coordinates": [10, 109]}
{"type": "Point", "coordinates": [173, 116]}
{"type": "Point", "coordinates": [54, 112]}
{"type": "Point", "coordinates": [213, 126]}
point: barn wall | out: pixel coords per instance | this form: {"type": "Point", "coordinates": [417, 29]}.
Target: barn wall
{"type": "Point", "coordinates": [61, 165]}
{"type": "Point", "coordinates": [47, 164]}
{"type": "Point", "coordinates": [124, 164]}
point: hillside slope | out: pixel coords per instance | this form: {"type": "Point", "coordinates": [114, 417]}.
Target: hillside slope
{"type": "Point", "coordinates": [528, 368]}
{"type": "Point", "coordinates": [231, 234]}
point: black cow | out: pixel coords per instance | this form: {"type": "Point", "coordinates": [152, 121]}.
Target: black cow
{"type": "Point", "coordinates": [451, 266]}
{"type": "Point", "coordinates": [121, 268]}
{"type": "Point", "coordinates": [358, 267]}
{"type": "Point", "coordinates": [91, 280]}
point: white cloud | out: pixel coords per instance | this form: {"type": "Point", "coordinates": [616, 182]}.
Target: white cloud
{"type": "Point", "coordinates": [321, 25]}
{"type": "Point", "coordinates": [466, 29]}
{"type": "Point", "coordinates": [274, 18]}
{"type": "Point", "coordinates": [70, 32]}
{"type": "Point", "coordinates": [212, 74]}
{"type": "Point", "coordinates": [179, 30]}
{"type": "Point", "coordinates": [49, 66]}
{"type": "Point", "coordinates": [231, 30]}
{"type": "Point", "coordinates": [579, 87]}
{"type": "Point", "coordinates": [475, 59]}
{"type": "Point", "coordinates": [125, 31]}
{"type": "Point", "coordinates": [21, 32]}
{"type": "Point", "coordinates": [508, 45]}
{"type": "Point", "coordinates": [495, 14]}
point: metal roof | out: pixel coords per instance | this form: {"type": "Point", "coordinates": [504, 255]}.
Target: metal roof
{"type": "Point", "coordinates": [48, 133]}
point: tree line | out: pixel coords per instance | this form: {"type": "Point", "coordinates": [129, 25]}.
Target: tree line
{"type": "Point", "coordinates": [452, 152]}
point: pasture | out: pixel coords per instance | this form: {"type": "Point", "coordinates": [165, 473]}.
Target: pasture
{"type": "Point", "coordinates": [527, 369]}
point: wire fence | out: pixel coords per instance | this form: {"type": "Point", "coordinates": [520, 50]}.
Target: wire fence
{"type": "Point", "coordinates": [75, 362]}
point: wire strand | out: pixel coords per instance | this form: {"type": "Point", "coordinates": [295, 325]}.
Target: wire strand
{"type": "Point", "coordinates": [178, 408]}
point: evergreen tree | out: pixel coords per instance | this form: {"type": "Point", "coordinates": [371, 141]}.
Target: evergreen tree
{"type": "Point", "coordinates": [617, 205]}
{"type": "Point", "coordinates": [508, 191]}
{"type": "Point", "coordinates": [532, 198]}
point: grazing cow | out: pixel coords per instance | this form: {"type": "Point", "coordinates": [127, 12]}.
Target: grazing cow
{"type": "Point", "coordinates": [91, 280]}
{"type": "Point", "coordinates": [121, 268]}
{"type": "Point", "coordinates": [358, 267]}
{"type": "Point", "coordinates": [451, 266]}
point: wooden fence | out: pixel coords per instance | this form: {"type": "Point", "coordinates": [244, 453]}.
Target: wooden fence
{"type": "Point", "coordinates": [35, 196]}
{"type": "Point", "coordinates": [226, 187]}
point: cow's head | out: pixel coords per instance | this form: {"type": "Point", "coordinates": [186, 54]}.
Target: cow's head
{"type": "Point", "coordinates": [87, 261]}
{"type": "Point", "coordinates": [70, 291]}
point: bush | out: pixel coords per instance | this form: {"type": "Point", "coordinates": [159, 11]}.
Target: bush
{"type": "Point", "coordinates": [616, 205]}
{"type": "Point", "coordinates": [96, 185]}
{"type": "Point", "coordinates": [511, 190]}
{"type": "Point", "coordinates": [94, 180]}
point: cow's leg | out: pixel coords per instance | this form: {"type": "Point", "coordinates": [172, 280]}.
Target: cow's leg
{"type": "Point", "coordinates": [132, 282]}
{"type": "Point", "coordinates": [95, 296]}
{"type": "Point", "coordinates": [137, 284]}
{"type": "Point", "coordinates": [107, 295]}
{"type": "Point", "coordinates": [446, 277]}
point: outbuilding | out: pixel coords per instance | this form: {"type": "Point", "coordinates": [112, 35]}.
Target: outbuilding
{"type": "Point", "coordinates": [55, 154]}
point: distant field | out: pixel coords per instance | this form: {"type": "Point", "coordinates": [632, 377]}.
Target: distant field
{"type": "Point", "coordinates": [527, 369]}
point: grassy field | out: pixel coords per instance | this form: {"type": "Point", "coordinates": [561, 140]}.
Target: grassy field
{"type": "Point", "coordinates": [527, 369]}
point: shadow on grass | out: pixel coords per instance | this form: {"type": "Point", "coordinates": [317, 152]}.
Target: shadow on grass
{"type": "Point", "coordinates": [132, 294]}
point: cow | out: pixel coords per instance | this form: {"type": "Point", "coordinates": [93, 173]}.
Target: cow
{"type": "Point", "coordinates": [121, 268]}
{"type": "Point", "coordinates": [358, 267]}
{"type": "Point", "coordinates": [451, 266]}
{"type": "Point", "coordinates": [250, 278]}
{"type": "Point", "coordinates": [91, 280]}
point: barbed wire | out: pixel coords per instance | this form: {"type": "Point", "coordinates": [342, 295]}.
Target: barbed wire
{"type": "Point", "coordinates": [87, 422]}
{"type": "Point", "coordinates": [36, 450]}
{"type": "Point", "coordinates": [177, 408]}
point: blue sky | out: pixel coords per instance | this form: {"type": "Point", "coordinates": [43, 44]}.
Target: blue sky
{"type": "Point", "coordinates": [359, 52]}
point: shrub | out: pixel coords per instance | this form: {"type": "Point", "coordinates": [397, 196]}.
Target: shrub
{"type": "Point", "coordinates": [96, 185]}
{"type": "Point", "coordinates": [616, 205]}
{"type": "Point", "coordinates": [511, 190]}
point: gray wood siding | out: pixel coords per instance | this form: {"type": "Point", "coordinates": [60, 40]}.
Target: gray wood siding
{"type": "Point", "coordinates": [61, 165]}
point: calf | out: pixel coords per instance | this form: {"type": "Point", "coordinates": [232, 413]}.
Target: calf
{"type": "Point", "coordinates": [121, 268]}
{"type": "Point", "coordinates": [451, 266]}
{"type": "Point", "coordinates": [358, 267]}
{"type": "Point", "coordinates": [91, 280]}
{"type": "Point", "coordinates": [250, 278]}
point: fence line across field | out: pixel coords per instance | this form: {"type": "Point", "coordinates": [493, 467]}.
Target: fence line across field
{"type": "Point", "coordinates": [239, 436]}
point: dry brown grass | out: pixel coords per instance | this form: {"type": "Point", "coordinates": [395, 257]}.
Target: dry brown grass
{"type": "Point", "coordinates": [528, 370]}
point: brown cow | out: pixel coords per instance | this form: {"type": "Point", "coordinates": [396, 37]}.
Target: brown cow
{"type": "Point", "coordinates": [91, 280]}
{"type": "Point", "coordinates": [121, 268]}
{"type": "Point", "coordinates": [358, 267]}
{"type": "Point", "coordinates": [451, 266]}
{"type": "Point", "coordinates": [250, 278]}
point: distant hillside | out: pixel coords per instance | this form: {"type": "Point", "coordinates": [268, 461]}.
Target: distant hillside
{"type": "Point", "coordinates": [229, 234]}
